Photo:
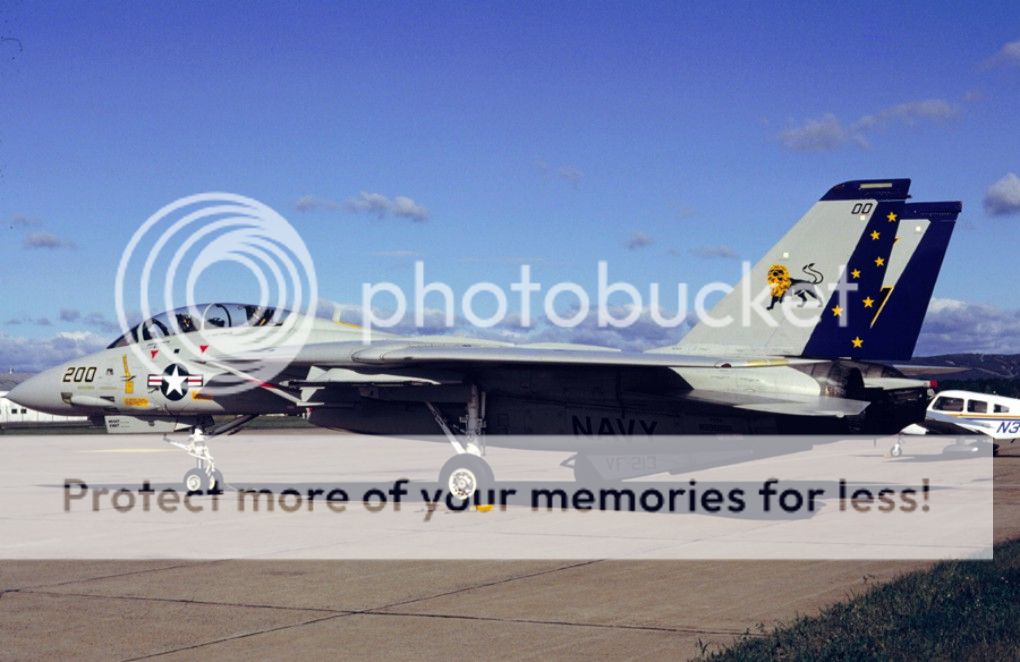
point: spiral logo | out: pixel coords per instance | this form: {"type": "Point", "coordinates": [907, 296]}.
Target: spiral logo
{"type": "Point", "coordinates": [208, 235]}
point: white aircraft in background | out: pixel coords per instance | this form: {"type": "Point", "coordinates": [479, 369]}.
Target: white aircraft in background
{"type": "Point", "coordinates": [961, 412]}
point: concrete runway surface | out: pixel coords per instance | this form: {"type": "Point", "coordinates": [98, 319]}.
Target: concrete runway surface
{"type": "Point", "coordinates": [413, 609]}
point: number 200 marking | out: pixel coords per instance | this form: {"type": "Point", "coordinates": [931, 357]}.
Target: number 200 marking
{"type": "Point", "coordinates": [80, 374]}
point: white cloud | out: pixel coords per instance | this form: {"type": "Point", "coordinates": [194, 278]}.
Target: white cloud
{"type": "Point", "coordinates": [373, 204]}
{"type": "Point", "coordinates": [35, 354]}
{"type": "Point", "coordinates": [957, 327]}
{"type": "Point", "coordinates": [79, 336]}
{"type": "Point", "coordinates": [908, 113]}
{"type": "Point", "coordinates": [939, 305]}
{"type": "Point", "coordinates": [378, 205]}
{"type": "Point", "coordinates": [1003, 197]}
{"type": "Point", "coordinates": [828, 132]}
{"type": "Point", "coordinates": [1009, 54]}
{"type": "Point", "coordinates": [407, 208]}
{"type": "Point", "coordinates": [312, 203]}
{"type": "Point", "coordinates": [815, 135]}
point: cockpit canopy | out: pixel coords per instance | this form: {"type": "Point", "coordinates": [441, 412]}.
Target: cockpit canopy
{"type": "Point", "coordinates": [201, 317]}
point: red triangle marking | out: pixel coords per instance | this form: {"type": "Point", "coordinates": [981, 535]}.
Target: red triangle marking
{"type": "Point", "coordinates": [203, 348]}
{"type": "Point", "coordinates": [153, 352]}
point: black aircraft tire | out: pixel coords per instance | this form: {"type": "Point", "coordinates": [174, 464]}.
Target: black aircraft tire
{"type": "Point", "coordinates": [195, 481]}
{"type": "Point", "coordinates": [471, 474]}
{"type": "Point", "coordinates": [217, 482]}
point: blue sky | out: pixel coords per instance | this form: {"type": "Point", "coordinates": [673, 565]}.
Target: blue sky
{"type": "Point", "coordinates": [523, 131]}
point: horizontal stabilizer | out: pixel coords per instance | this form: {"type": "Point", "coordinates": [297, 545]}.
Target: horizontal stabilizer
{"type": "Point", "coordinates": [914, 370]}
{"type": "Point", "coordinates": [787, 404]}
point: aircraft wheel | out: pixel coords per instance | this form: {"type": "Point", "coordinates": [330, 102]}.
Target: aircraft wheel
{"type": "Point", "coordinates": [463, 475]}
{"type": "Point", "coordinates": [196, 480]}
{"type": "Point", "coordinates": [217, 484]}
{"type": "Point", "coordinates": [896, 451]}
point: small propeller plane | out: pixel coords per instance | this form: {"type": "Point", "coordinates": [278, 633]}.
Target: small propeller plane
{"type": "Point", "coordinates": [760, 374]}
{"type": "Point", "coordinates": [962, 412]}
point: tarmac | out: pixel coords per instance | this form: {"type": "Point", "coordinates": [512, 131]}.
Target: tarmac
{"type": "Point", "coordinates": [400, 609]}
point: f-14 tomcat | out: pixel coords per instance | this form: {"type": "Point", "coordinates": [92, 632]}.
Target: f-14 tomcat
{"type": "Point", "coordinates": [760, 374]}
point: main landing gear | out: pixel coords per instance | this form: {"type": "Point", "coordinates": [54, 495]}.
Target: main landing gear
{"type": "Point", "coordinates": [467, 472]}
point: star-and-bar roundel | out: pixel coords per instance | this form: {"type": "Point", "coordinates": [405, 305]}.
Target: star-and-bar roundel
{"type": "Point", "coordinates": [175, 381]}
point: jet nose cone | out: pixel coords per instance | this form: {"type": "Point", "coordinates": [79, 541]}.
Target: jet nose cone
{"type": "Point", "coordinates": [38, 393]}
{"type": "Point", "coordinates": [17, 394]}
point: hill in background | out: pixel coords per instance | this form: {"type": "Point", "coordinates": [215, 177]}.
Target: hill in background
{"type": "Point", "coordinates": [978, 366]}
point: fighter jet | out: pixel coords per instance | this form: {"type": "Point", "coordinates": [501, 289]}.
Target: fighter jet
{"type": "Point", "coordinates": [813, 329]}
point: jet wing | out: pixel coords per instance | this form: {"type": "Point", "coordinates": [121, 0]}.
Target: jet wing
{"type": "Point", "coordinates": [402, 363]}
{"type": "Point", "coordinates": [354, 355]}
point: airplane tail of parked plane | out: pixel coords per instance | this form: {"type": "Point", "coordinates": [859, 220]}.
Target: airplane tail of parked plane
{"type": "Point", "coordinates": [852, 279]}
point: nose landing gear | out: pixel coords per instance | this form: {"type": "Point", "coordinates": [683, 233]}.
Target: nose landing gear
{"type": "Point", "coordinates": [205, 477]}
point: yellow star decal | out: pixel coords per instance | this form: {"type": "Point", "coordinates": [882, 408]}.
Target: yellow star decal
{"type": "Point", "coordinates": [891, 217]}
{"type": "Point", "coordinates": [879, 262]}
{"type": "Point", "coordinates": [857, 342]}
{"type": "Point", "coordinates": [875, 234]}
{"type": "Point", "coordinates": [856, 273]}
{"type": "Point", "coordinates": [837, 311]}
{"type": "Point", "coordinates": [869, 303]}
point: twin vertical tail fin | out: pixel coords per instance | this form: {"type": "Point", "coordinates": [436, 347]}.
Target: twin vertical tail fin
{"type": "Point", "coordinates": [853, 278]}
